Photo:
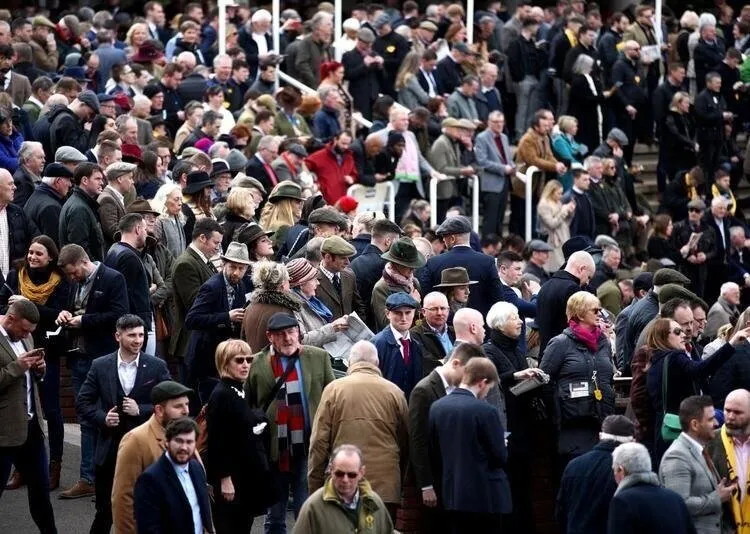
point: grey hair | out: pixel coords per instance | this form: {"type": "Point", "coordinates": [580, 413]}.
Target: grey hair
{"type": "Point", "coordinates": [216, 147]}
{"type": "Point", "coordinates": [269, 275]}
{"type": "Point", "coordinates": [719, 201]}
{"type": "Point", "coordinates": [324, 91]}
{"type": "Point", "coordinates": [609, 250]}
{"type": "Point", "coordinates": [583, 65]}
{"type": "Point", "coordinates": [267, 141]}
{"type": "Point", "coordinates": [591, 160]}
{"type": "Point", "coordinates": [363, 351]}
{"type": "Point", "coordinates": [728, 286]}
{"type": "Point", "coordinates": [431, 11]}
{"type": "Point", "coordinates": [632, 457]}
{"type": "Point", "coordinates": [27, 147]}
{"type": "Point", "coordinates": [500, 314]}
{"type": "Point", "coordinates": [101, 18]}
{"type": "Point", "coordinates": [347, 449]}
{"type": "Point", "coordinates": [312, 250]}
{"type": "Point", "coordinates": [737, 230]}
{"type": "Point", "coordinates": [122, 121]}
{"type": "Point", "coordinates": [319, 18]}
{"type": "Point", "coordinates": [219, 58]}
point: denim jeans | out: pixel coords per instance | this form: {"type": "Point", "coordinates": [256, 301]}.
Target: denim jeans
{"type": "Point", "coordinates": [296, 479]}
{"type": "Point", "coordinates": [79, 367]}
{"type": "Point", "coordinates": [50, 396]}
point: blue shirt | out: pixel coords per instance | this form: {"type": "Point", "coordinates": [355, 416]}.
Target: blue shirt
{"type": "Point", "coordinates": [183, 475]}
{"type": "Point", "coordinates": [444, 339]}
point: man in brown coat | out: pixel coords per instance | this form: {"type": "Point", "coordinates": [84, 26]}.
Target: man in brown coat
{"type": "Point", "coordinates": [141, 447]}
{"type": "Point", "coordinates": [370, 412]}
{"type": "Point", "coordinates": [120, 178]}
{"type": "Point", "coordinates": [338, 285]}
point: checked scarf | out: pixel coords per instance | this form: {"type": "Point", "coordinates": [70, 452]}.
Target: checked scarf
{"type": "Point", "coordinates": [290, 416]}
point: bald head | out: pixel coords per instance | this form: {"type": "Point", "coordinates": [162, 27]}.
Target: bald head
{"type": "Point", "coordinates": [363, 351]}
{"type": "Point", "coordinates": [581, 265]}
{"type": "Point", "coordinates": [737, 413]}
{"type": "Point", "coordinates": [469, 326]}
{"type": "Point", "coordinates": [435, 299]}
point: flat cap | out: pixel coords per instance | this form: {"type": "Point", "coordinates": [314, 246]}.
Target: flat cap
{"type": "Point", "coordinates": [618, 425]}
{"type": "Point", "coordinates": [676, 291]}
{"type": "Point", "coordinates": [297, 150]}
{"type": "Point", "coordinates": [428, 25]}
{"type": "Point", "coordinates": [580, 242]}
{"type": "Point", "coordinates": [337, 246]}
{"type": "Point", "coordinates": [324, 215]}
{"type": "Point", "coordinates": [644, 281]}
{"type": "Point", "coordinates": [386, 226]}
{"type": "Point", "coordinates": [466, 124]}
{"type": "Point", "coordinates": [462, 47]}
{"type": "Point", "coordinates": [697, 203]}
{"type": "Point", "coordinates": [618, 136]}
{"type": "Point", "coordinates": [669, 276]}
{"type": "Point", "coordinates": [68, 154]}
{"type": "Point", "coordinates": [351, 24]}
{"type": "Point", "coordinates": [41, 20]}
{"type": "Point", "coordinates": [366, 36]}
{"type": "Point", "coordinates": [450, 122]}
{"type": "Point", "coordinates": [89, 98]}
{"type": "Point", "coordinates": [151, 90]}
{"type": "Point", "coordinates": [104, 97]}
{"type": "Point", "coordinates": [57, 170]}
{"type": "Point", "coordinates": [382, 20]}
{"type": "Point", "coordinates": [120, 168]}
{"type": "Point", "coordinates": [236, 160]}
{"type": "Point", "coordinates": [537, 245]}
{"type": "Point", "coordinates": [243, 180]}
{"type": "Point", "coordinates": [400, 300]}
{"type": "Point", "coordinates": [164, 391]}
{"type": "Point", "coordinates": [454, 225]}
{"type": "Point", "coordinates": [281, 321]}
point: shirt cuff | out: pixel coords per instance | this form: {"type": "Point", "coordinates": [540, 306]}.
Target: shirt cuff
{"type": "Point", "coordinates": [427, 488]}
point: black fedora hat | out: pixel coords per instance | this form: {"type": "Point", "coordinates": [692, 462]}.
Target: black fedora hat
{"type": "Point", "coordinates": [250, 232]}
{"type": "Point", "coordinates": [196, 181]}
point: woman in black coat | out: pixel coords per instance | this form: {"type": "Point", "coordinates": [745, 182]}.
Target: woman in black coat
{"type": "Point", "coordinates": [236, 460]}
{"type": "Point", "coordinates": [240, 211]}
{"type": "Point", "coordinates": [659, 244]}
{"type": "Point", "coordinates": [585, 103]}
{"type": "Point", "coordinates": [679, 137]}
{"type": "Point", "coordinates": [502, 349]}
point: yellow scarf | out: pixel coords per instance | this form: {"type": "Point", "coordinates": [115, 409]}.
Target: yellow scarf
{"type": "Point", "coordinates": [740, 510]}
{"type": "Point", "coordinates": [38, 294]}
{"type": "Point", "coordinates": [571, 37]}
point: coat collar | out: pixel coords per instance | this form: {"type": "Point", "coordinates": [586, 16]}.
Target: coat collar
{"type": "Point", "coordinates": [364, 368]}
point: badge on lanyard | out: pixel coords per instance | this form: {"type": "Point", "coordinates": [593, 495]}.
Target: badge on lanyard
{"type": "Point", "coordinates": [597, 392]}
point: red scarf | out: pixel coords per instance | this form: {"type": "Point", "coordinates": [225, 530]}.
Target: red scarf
{"type": "Point", "coordinates": [586, 335]}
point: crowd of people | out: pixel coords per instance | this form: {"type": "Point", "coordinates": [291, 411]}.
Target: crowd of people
{"type": "Point", "coordinates": [179, 230]}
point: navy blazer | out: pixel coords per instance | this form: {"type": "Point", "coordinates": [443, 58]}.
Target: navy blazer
{"type": "Point", "coordinates": [108, 301]}
{"type": "Point", "coordinates": [468, 455]}
{"type": "Point", "coordinates": [392, 363]}
{"type": "Point", "coordinates": [100, 393]}
{"type": "Point", "coordinates": [127, 261]}
{"type": "Point", "coordinates": [208, 318]}
{"type": "Point", "coordinates": [481, 268]}
{"type": "Point", "coordinates": [161, 506]}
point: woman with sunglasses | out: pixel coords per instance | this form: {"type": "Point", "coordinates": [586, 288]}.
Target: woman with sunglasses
{"type": "Point", "coordinates": [579, 363]}
{"type": "Point", "coordinates": [236, 461]}
{"type": "Point", "coordinates": [685, 377]}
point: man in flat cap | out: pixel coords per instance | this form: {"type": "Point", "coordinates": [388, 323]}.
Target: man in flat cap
{"type": "Point", "coordinates": [455, 232]}
{"type": "Point", "coordinates": [69, 156]}
{"type": "Point", "coordinates": [322, 222]}
{"type": "Point", "coordinates": [363, 68]}
{"type": "Point", "coordinates": [400, 356]}
{"type": "Point", "coordinates": [142, 446]}
{"type": "Point", "coordinates": [43, 44]}
{"type": "Point", "coordinates": [288, 378]}
{"type": "Point", "coordinates": [45, 204]}
{"type": "Point", "coordinates": [67, 125]}
{"type": "Point", "coordinates": [698, 243]}
{"type": "Point", "coordinates": [338, 285]}
{"type": "Point", "coordinates": [393, 48]}
{"type": "Point", "coordinates": [120, 180]}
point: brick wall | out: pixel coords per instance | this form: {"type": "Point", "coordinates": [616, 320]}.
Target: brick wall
{"type": "Point", "coordinates": [66, 394]}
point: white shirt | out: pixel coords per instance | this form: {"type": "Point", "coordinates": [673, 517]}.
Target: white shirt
{"type": "Point", "coordinates": [6, 80]}
{"type": "Point", "coordinates": [448, 388]}
{"type": "Point", "coordinates": [399, 336]}
{"type": "Point", "coordinates": [19, 349]}
{"type": "Point", "coordinates": [430, 82]}
{"type": "Point", "coordinates": [720, 224]}
{"type": "Point", "coordinates": [694, 444]}
{"type": "Point", "coordinates": [200, 254]}
{"type": "Point", "coordinates": [260, 40]}
{"type": "Point", "coordinates": [126, 372]}
{"type": "Point", "coordinates": [4, 243]}
{"type": "Point", "coordinates": [183, 475]}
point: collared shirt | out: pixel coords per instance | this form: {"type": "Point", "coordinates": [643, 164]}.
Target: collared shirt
{"type": "Point", "coordinates": [350, 505]}
{"type": "Point", "coordinates": [119, 196]}
{"type": "Point", "coordinates": [126, 372]}
{"type": "Point", "coordinates": [742, 453]}
{"type": "Point", "coordinates": [84, 287]}
{"type": "Point", "coordinates": [443, 337]}
{"type": "Point", "coordinates": [200, 254]}
{"type": "Point", "coordinates": [260, 40]}
{"type": "Point", "coordinates": [6, 81]}
{"type": "Point", "coordinates": [328, 274]}
{"type": "Point", "coordinates": [183, 475]}
{"type": "Point", "coordinates": [4, 242]}
{"type": "Point", "coordinates": [448, 388]}
{"type": "Point", "coordinates": [36, 101]}
{"type": "Point", "coordinates": [694, 444]}
{"type": "Point", "coordinates": [230, 291]}
{"type": "Point", "coordinates": [430, 82]}
{"type": "Point", "coordinates": [399, 336]}
{"type": "Point", "coordinates": [19, 349]}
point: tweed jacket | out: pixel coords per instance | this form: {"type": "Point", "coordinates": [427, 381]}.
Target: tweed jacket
{"type": "Point", "coordinates": [111, 210]}
{"type": "Point", "coordinates": [534, 150]}
{"type": "Point", "coordinates": [445, 157]}
{"type": "Point", "coordinates": [14, 422]}
{"type": "Point", "coordinates": [349, 299]}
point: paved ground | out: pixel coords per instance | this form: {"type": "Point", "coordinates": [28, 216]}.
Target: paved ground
{"type": "Point", "coordinates": [72, 517]}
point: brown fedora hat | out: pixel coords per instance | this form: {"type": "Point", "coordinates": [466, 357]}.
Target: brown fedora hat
{"type": "Point", "coordinates": [455, 276]}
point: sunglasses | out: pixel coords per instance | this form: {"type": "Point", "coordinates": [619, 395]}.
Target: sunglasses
{"type": "Point", "coordinates": [342, 474]}
{"type": "Point", "coordinates": [677, 331]}
{"type": "Point", "coordinates": [695, 210]}
{"type": "Point", "coordinates": [596, 310]}
{"type": "Point", "coordinates": [243, 359]}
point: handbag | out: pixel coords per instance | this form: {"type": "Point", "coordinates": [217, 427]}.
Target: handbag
{"type": "Point", "coordinates": [670, 426]}
{"type": "Point", "coordinates": [160, 324]}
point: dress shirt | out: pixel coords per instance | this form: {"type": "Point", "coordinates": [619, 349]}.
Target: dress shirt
{"type": "Point", "coordinates": [430, 83]}
{"type": "Point", "coordinates": [260, 40]}
{"type": "Point", "coordinates": [742, 453]}
{"type": "Point", "coordinates": [4, 242]}
{"type": "Point", "coordinates": [6, 81]}
{"type": "Point", "coordinates": [350, 505]}
{"type": "Point", "coordinates": [694, 444]}
{"type": "Point", "coordinates": [443, 337]}
{"type": "Point", "coordinates": [399, 336]}
{"type": "Point", "coordinates": [328, 274]}
{"type": "Point", "coordinates": [119, 196]}
{"type": "Point", "coordinates": [126, 372]}
{"type": "Point", "coordinates": [200, 254]}
{"type": "Point", "coordinates": [19, 349]}
{"type": "Point", "coordinates": [448, 388]}
{"type": "Point", "coordinates": [183, 475]}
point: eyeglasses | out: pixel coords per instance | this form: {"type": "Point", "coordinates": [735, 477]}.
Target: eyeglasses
{"type": "Point", "coordinates": [239, 360]}
{"type": "Point", "coordinates": [436, 309]}
{"type": "Point", "coordinates": [695, 210]}
{"type": "Point", "coordinates": [342, 474]}
{"type": "Point", "coordinates": [677, 331]}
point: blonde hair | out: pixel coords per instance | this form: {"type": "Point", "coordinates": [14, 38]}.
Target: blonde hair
{"type": "Point", "coordinates": [579, 303]}
{"type": "Point", "coordinates": [278, 214]}
{"type": "Point", "coordinates": [565, 122]}
{"type": "Point", "coordinates": [269, 275]}
{"type": "Point", "coordinates": [676, 99]}
{"type": "Point", "coordinates": [131, 31]}
{"type": "Point", "coordinates": [239, 199]}
{"type": "Point", "coordinates": [226, 351]}
{"type": "Point", "coordinates": [549, 188]}
{"type": "Point", "coordinates": [409, 67]}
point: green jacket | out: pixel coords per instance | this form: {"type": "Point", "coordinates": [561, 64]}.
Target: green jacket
{"type": "Point", "coordinates": [322, 513]}
{"type": "Point", "coordinates": [316, 374]}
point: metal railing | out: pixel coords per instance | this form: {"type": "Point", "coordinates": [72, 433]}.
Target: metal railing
{"type": "Point", "coordinates": [473, 182]}
{"type": "Point", "coordinates": [527, 178]}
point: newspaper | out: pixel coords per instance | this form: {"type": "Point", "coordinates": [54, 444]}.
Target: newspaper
{"type": "Point", "coordinates": [693, 241]}
{"type": "Point", "coordinates": [650, 53]}
{"type": "Point", "coordinates": [357, 331]}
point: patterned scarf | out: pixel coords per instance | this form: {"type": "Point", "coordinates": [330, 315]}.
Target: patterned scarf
{"type": "Point", "coordinates": [740, 510]}
{"type": "Point", "coordinates": [290, 416]}
{"type": "Point", "coordinates": [393, 278]}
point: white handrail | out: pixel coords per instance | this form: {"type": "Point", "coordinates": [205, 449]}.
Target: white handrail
{"type": "Point", "coordinates": [528, 200]}
{"type": "Point", "coordinates": [474, 182]}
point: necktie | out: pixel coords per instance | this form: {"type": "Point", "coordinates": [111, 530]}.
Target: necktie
{"type": "Point", "coordinates": [337, 282]}
{"type": "Point", "coordinates": [211, 266]}
{"type": "Point", "coordinates": [710, 464]}
{"type": "Point", "coordinates": [501, 148]}
{"type": "Point", "coordinates": [407, 351]}
{"type": "Point", "coordinates": [271, 174]}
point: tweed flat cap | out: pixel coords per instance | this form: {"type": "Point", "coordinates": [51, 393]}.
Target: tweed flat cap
{"type": "Point", "coordinates": [669, 276]}
{"type": "Point", "coordinates": [120, 168]}
{"type": "Point", "coordinates": [281, 321]}
{"type": "Point", "coordinates": [68, 154]}
{"type": "Point", "coordinates": [164, 391]}
{"type": "Point", "coordinates": [337, 246]}
{"type": "Point", "coordinates": [675, 291]}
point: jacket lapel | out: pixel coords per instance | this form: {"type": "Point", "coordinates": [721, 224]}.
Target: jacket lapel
{"type": "Point", "coordinates": [114, 377]}
{"type": "Point", "coordinates": [7, 348]}
{"type": "Point", "coordinates": [327, 286]}
{"type": "Point", "coordinates": [176, 484]}
{"type": "Point", "coordinates": [140, 373]}
{"type": "Point", "coordinates": [701, 461]}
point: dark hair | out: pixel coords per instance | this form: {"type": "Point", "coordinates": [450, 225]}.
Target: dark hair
{"type": "Point", "coordinates": [238, 64]}
{"type": "Point", "coordinates": [463, 352]}
{"type": "Point", "coordinates": [129, 320]}
{"type": "Point", "coordinates": [129, 222]}
{"type": "Point", "coordinates": [615, 17]}
{"type": "Point", "coordinates": [205, 227]}
{"type": "Point", "coordinates": [180, 168]}
{"type": "Point", "coordinates": [434, 103]}
{"type": "Point", "coordinates": [478, 369]}
{"type": "Point", "coordinates": [692, 408]}
{"type": "Point", "coordinates": [173, 68]}
{"type": "Point", "coordinates": [262, 116]}
{"type": "Point", "coordinates": [661, 223]}
{"type": "Point", "coordinates": [42, 83]}
{"type": "Point", "coordinates": [52, 250]}
{"type": "Point", "coordinates": [210, 117]}
{"type": "Point", "coordinates": [24, 309]}
{"type": "Point", "coordinates": [669, 308]}
{"type": "Point", "coordinates": [212, 91]}
{"type": "Point", "coordinates": [183, 425]}
{"type": "Point", "coordinates": [506, 257]}
{"type": "Point", "coordinates": [85, 169]}
{"type": "Point", "coordinates": [513, 241]}
{"type": "Point", "coordinates": [18, 23]}
{"type": "Point", "coordinates": [429, 55]}
{"type": "Point", "coordinates": [70, 254]}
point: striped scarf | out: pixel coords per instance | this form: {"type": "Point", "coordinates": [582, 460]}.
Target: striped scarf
{"type": "Point", "coordinates": [290, 416]}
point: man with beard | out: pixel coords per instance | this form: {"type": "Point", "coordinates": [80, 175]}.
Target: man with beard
{"type": "Point", "coordinates": [729, 451]}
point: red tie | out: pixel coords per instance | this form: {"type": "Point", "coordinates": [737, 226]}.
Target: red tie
{"type": "Point", "coordinates": [501, 149]}
{"type": "Point", "coordinates": [407, 351]}
{"type": "Point", "coordinates": [271, 174]}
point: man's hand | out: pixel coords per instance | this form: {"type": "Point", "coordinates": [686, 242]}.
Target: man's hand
{"type": "Point", "coordinates": [130, 407]}
{"type": "Point", "coordinates": [429, 498]}
{"type": "Point", "coordinates": [348, 179]}
{"type": "Point", "coordinates": [684, 251]}
{"type": "Point", "coordinates": [533, 286]}
{"type": "Point", "coordinates": [560, 167]}
{"type": "Point", "coordinates": [525, 374]}
{"type": "Point", "coordinates": [113, 418]}
{"type": "Point", "coordinates": [617, 151]}
{"type": "Point", "coordinates": [467, 171]}
{"type": "Point", "coordinates": [340, 324]}
{"type": "Point", "coordinates": [725, 490]}
{"type": "Point", "coordinates": [227, 489]}
{"type": "Point", "coordinates": [509, 169]}
{"type": "Point", "coordinates": [30, 359]}
{"type": "Point", "coordinates": [631, 111]}
{"type": "Point", "coordinates": [237, 315]}
{"type": "Point", "coordinates": [614, 218]}
{"type": "Point", "coordinates": [75, 322]}
{"type": "Point", "coordinates": [701, 257]}
{"type": "Point", "coordinates": [63, 317]}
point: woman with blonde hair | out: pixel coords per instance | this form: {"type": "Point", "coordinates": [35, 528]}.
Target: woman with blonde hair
{"type": "Point", "coordinates": [282, 211]}
{"type": "Point", "coordinates": [679, 142]}
{"type": "Point", "coordinates": [170, 226]}
{"type": "Point", "coordinates": [240, 210]}
{"type": "Point", "coordinates": [135, 37]}
{"type": "Point", "coordinates": [410, 93]}
{"type": "Point", "coordinates": [236, 461]}
{"type": "Point", "coordinates": [554, 221]}
{"type": "Point", "coordinates": [579, 364]}
{"type": "Point", "coordinates": [566, 148]}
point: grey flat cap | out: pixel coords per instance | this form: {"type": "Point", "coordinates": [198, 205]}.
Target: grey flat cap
{"type": "Point", "coordinates": [236, 160]}
{"type": "Point", "coordinates": [68, 154]}
{"type": "Point", "coordinates": [120, 168]}
{"type": "Point", "coordinates": [366, 36]}
{"type": "Point", "coordinates": [89, 98]}
{"type": "Point", "coordinates": [382, 20]}
{"type": "Point", "coordinates": [454, 225]}
{"type": "Point", "coordinates": [618, 136]}
{"type": "Point", "coordinates": [537, 245]}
